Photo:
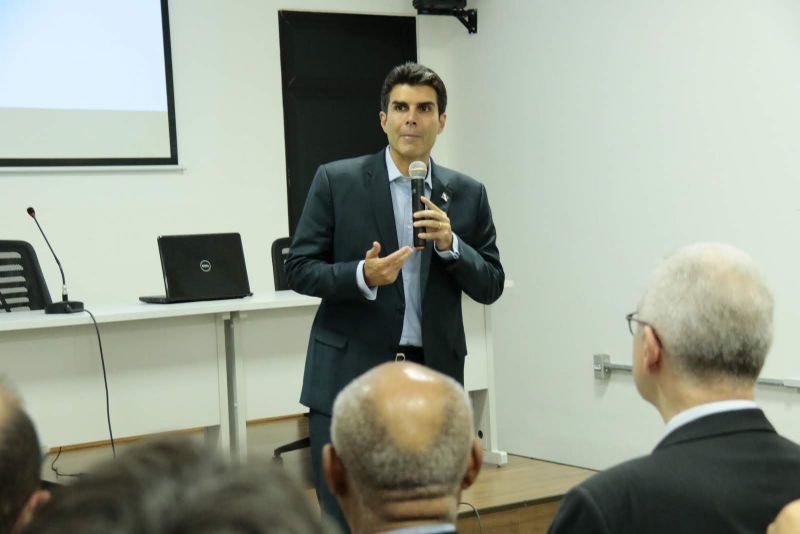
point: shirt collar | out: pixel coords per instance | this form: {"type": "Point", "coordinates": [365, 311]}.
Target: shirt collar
{"type": "Point", "coordinates": [394, 172]}
{"type": "Point", "coordinates": [696, 412]}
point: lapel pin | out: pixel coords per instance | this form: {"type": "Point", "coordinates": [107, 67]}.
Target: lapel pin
{"type": "Point", "coordinates": [445, 197]}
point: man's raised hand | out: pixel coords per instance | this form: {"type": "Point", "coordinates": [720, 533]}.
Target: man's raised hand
{"type": "Point", "coordinates": [383, 271]}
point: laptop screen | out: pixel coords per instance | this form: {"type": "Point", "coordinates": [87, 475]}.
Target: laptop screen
{"type": "Point", "coordinates": [203, 266]}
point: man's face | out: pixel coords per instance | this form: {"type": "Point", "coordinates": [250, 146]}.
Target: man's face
{"type": "Point", "coordinates": [412, 122]}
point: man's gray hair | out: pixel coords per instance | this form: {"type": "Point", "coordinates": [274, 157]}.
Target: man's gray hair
{"type": "Point", "coordinates": [377, 463]}
{"type": "Point", "coordinates": [712, 311]}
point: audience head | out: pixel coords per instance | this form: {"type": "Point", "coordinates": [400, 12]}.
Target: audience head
{"type": "Point", "coordinates": [403, 448]}
{"type": "Point", "coordinates": [708, 311]}
{"type": "Point", "coordinates": [177, 487]}
{"type": "Point", "coordinates": [413, 74]}
{"type": "Point", "coordinates": [20, 464]}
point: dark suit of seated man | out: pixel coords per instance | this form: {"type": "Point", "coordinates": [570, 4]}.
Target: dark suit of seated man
{"type": "Point", "coordinates": [403, 449]}
{"type": "Point", "coordinates": [701, 333]}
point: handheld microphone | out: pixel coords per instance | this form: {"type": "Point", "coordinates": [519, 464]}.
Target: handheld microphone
{"type": "Point", "coordinates": [66, 305]}
{"type": "Point", "coordinates": [417, 171]}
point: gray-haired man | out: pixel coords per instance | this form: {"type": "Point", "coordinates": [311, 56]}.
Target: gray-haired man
{"type": "Point", "coordinates": [700, 336]}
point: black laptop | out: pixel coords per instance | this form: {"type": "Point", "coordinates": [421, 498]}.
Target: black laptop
{"type": "Point", "coordinates": [201, 267]}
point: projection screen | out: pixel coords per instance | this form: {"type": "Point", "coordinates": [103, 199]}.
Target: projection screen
{"type": "Point", "coordinates": [86, 82]}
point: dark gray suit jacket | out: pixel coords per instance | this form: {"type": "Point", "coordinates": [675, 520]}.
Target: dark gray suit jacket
{"type": "Point", "coordinates": [349, 205]}
{"type": "Point", "coordinates": [724, 473]}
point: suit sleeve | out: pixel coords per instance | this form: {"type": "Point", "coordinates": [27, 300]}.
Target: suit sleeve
{"type": "Point", "coordinates": [311, 268]}
{"type": "Point", "coordinates": [478, 270]}
{"type": "Point", "coordinates": [579, 514]}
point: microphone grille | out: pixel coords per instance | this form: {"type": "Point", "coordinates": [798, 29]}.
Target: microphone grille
{"type": "Point", "coordinates": [418, 170]}
{"type": "Point", "coordinates": [31, 212]}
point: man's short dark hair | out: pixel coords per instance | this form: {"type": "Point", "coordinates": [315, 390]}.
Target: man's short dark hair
{"type": "Point", "coordinates": [177, 487]}
{"type": "Point", "coordinates": [413, 74]}
{"type": "Point", "coordinates": [20, 461]}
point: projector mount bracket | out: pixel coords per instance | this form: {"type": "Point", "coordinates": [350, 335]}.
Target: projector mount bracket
{"type": "Point", "coordinates": [468, 17]}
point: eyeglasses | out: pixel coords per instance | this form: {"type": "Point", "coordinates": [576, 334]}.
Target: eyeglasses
{"type": "Point", "coordinates": [631, 319]}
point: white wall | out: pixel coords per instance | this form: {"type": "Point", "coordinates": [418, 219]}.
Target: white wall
{"type": "Point", "coordinates": [609, 134]}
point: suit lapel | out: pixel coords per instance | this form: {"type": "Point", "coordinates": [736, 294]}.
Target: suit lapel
{"type": "Point", "coordinates": [381, 201]}
{"type": "Point", "coordinates": [441, 195]}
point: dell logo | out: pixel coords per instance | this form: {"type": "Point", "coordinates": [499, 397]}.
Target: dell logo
{"type": "Point", "coordinates": [205, 266]}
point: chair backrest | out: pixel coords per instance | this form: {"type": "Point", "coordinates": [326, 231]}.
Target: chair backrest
{"type": "Point", "coordinates": [280, 249]}
{"type": "Point", "coordinates": [22, 285]}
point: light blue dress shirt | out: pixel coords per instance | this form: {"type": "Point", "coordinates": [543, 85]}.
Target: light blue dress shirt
{"type": "Point", "coordinates": [702, 410]}
{"type": "Point", "coordinates": [400, 188]}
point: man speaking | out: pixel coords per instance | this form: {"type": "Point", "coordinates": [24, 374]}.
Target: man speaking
{"type": "Point", "coordinates": [382, 298]}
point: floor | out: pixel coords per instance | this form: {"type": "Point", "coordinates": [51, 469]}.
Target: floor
{"type": "Point", "coordinates": [521, 496]}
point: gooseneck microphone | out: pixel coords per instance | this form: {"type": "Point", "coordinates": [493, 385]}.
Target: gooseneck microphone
{"type": "Point", "coordinates": [66, 305]}
{"type": "Point", "coordinates": [417, 171]}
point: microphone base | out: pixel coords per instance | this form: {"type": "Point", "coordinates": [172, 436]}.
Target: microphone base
{"type": "Point", "coordinates": [69, 306]}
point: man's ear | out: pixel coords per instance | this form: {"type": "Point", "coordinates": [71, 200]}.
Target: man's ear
{"type": "Point", "coordinates": [442, 120]}
{"type": "Point", "coordinates": [474, 463]}
{"type": "Point", "coordinates": [335, 471]}
{"type": "Point", "coordinates": [653, 353]}
{"type": "Point", "coordinates": [37, 499]}
{"type": "Point", "coordinates": [382, 116]}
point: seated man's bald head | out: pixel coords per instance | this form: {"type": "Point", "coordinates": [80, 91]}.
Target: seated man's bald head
{"type": "Point", "coordinates": [403, 433]}
{"type": "Point", "coordinates": [411, 402]}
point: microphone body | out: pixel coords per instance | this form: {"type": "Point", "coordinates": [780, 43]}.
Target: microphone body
{"type": "Point", "coordinates": [66, 305]}
{"type": "Point", "coordinates": [417, 171]}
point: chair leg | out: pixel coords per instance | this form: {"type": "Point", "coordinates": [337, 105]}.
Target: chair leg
{"type": "Point", "coordinates": [293, 446]}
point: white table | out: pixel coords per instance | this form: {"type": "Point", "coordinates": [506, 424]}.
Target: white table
{"type": "Point", "coordinates": [213, 364]}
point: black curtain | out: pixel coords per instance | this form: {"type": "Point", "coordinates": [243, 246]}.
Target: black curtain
{"type": "Point", "coordinates": [332, 68]}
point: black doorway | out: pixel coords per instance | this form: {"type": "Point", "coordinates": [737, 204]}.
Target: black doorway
{"type": "Point", "coordinates": [332, 68]}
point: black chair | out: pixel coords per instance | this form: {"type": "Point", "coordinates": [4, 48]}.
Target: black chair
{"type": "Point", "coordinates": [22, 285]}
{"type": "Point", "coordinates": [280, 249]}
